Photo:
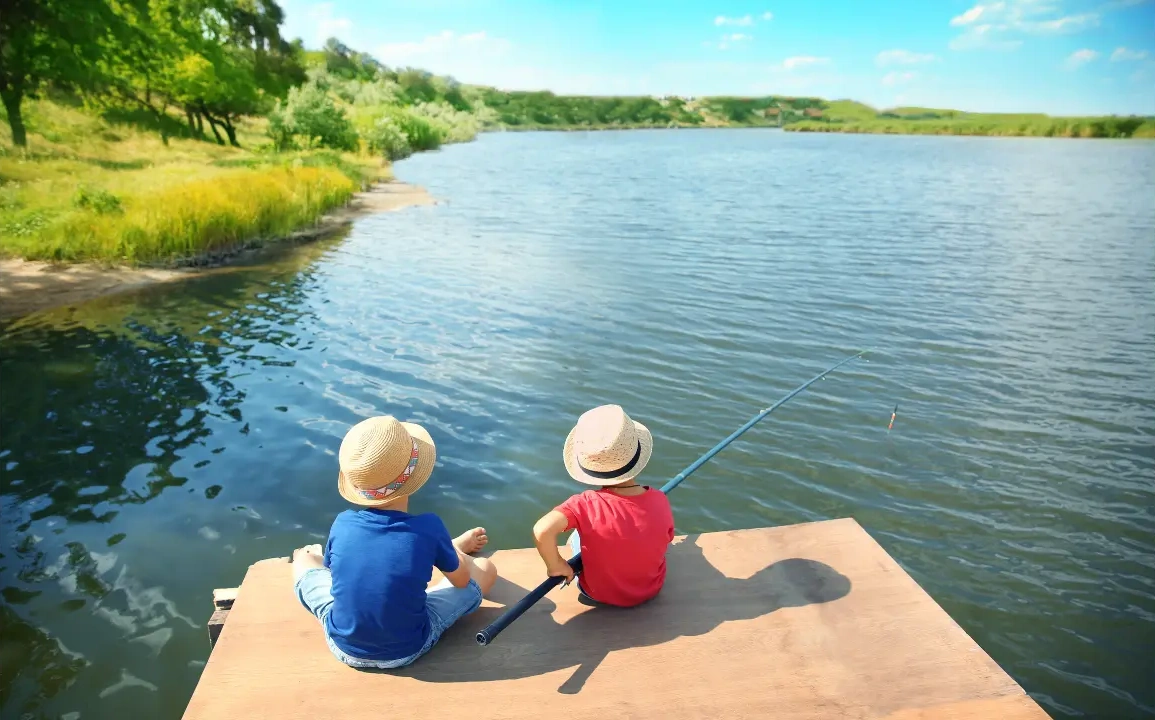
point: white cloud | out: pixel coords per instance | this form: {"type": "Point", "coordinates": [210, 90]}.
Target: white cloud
{"type": "Point", "coordinates": [976, 12]}
{"type": "Point", "coordinates": [898, 78]}
{"type": "Point", "coordinates": [730, 40]}
{"type": "Point", "coordinates": [314, 23]}
{"type": "Point", "coordinates": [902, 57]}
{"type": "Point", "coordinates": [767, 16]}
{"type": "Point", "coordinates": [995, 25]}
{"type": "Point", "coordinates": [447, 52]}
{"type": "Point", "coordinates": [802, 61]}
{"type": "Point", "coordinates": [1080, 57]}
{"type": "Point", "coordinates": [1070, 23]}
{"type": "Point", "coordinates": [981, 37]}
{"type": "Point", "coordinates": [745, 20]}
{"type": "Point", "coordinates": [1123, 53]}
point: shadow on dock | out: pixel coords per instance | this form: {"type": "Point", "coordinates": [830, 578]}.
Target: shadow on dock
{"type": "Point", "coordinates": [696, 599]}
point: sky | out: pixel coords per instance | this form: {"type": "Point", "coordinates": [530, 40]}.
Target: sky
{"type": "Point", "coordinates": [1062, 57]}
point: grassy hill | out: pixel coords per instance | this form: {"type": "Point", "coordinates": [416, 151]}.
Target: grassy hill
{"type": "Point", "coordinates": [91, 188]}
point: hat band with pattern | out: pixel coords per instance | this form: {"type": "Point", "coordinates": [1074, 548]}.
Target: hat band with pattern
{"type": "Point", "coordinates": [386, 490]}
{"type": "Point", "coordinates": [606, 475]}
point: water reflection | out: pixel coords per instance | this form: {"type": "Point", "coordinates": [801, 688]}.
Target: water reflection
{"type": "Point", "coordinates": [101, 408]}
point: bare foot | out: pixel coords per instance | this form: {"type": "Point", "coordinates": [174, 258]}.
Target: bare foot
{"type": "Point", "coordinates": [471, 541]}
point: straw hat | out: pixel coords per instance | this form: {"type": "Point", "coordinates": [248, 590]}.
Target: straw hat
{"type": "Point", "coordinates": [383, 460]}
{"type": "Point", "coordinates": [606, 447]}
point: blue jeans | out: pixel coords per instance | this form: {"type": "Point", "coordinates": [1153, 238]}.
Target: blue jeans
{"type": "Point", "coordinates": [444, 604]}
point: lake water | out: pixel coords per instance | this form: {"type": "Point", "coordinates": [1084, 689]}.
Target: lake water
{"type": "Point", "coordinates": [154, 445]}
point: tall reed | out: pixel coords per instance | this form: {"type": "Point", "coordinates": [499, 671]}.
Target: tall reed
{"type": "Point", "coordinates": [192, 219]}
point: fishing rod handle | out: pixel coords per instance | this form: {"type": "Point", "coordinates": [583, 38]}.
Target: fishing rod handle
{"type": "Point", "coordinates": [492, 630]}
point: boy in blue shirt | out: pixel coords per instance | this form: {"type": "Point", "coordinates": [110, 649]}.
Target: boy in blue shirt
{"type": "Point", "coordinates": [369, 588]}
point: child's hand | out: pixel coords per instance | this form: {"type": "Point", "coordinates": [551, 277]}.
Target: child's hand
{"type": "Point", "coordinates": [562, 570]}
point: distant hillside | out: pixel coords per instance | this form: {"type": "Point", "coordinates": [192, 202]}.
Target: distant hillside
{"type": "Point", "coordinates": [852, 117]}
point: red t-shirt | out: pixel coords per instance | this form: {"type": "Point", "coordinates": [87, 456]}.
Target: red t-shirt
{"type": "Point", "coordinates": [623, 542]}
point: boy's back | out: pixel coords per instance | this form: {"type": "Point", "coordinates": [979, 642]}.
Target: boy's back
{"type": "Point", "coordinates": [381, 561]}
{"type": "Point", "coordinates": [623, 543]}
{"type": "Point", "coordinates": [370, 586]}
{"type": "Point", "coordinates": [623, 528]}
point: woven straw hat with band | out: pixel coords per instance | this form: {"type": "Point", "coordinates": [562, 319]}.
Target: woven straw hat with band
{"type": "Point", "coordinates": [606, 447]}
{"type": "Point", "coordinates": [383, 460]}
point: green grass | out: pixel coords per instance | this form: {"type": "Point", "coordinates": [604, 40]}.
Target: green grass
{"type": "Point", "coordinates": [93, 189]}
{"type": "Point", "coordinates": [851, 117]}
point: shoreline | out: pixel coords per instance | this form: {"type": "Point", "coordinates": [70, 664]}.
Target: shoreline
{"type": "Point", "coordinates": [28, 286]}
{"type": "Point", "coordinates": [831, 129]}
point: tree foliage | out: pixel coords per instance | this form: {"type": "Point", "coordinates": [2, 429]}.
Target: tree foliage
{"type": "Point", "coordinates": [311, 114]}
{"type": "Point", "coordinates": [51, 41]}
{"type": "Point", "coordinates": [216, 60]}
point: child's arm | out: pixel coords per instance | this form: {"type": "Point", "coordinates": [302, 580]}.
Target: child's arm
{"type": "Point", "coordinates": [459, 578]}
{"type": "Point", "coordinates": [545, 532]}
{"type": "Point", "coordinates": [449, 555]}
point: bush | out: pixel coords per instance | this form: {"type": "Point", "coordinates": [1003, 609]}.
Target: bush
{"type": "Point", "coordinates": [382, 92]}
{"type": "Point", "coordinates": [99, 201]}
{"type": "Point", "coordinates": [387, 138]}
{"type": "Point", "coordinates": [310, 113]}
{"type": "Point", "coordinates": [422, 133]}
{"type": "Point", "coordinates": [457, 125]}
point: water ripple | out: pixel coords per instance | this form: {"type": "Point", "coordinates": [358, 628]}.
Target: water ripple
{"type": "Point", "coordinates": [692, 277]}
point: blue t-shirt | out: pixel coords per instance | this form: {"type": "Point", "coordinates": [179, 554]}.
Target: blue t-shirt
{"type": "Point", "coordinates": [382, 561]}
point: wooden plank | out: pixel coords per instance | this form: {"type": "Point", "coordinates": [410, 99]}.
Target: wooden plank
{"type": "Point", "coordinates": [1008, 706]}
{"type": "Point", "coordinates": [216, 625]}
{"type": "Point", "coordinates": [806, 621]}
{"type": "Point", "coordinates": [223, 598]}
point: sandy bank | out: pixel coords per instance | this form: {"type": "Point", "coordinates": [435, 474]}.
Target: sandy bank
{"type": "Point", "coordinates": [26, 287]}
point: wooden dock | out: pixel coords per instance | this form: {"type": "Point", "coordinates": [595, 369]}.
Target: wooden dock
{"type": "Point", "coordinates": [805, 621]}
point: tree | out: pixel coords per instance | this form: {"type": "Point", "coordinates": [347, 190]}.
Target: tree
{"type": "Point", "coordinates": [50, 41]}
{"type": "Point", "coordinates": [344, 62]}
{"type": "Point", "coordinates": [215, 59]}
{"type": "Point", "coordinates": [310, 112]}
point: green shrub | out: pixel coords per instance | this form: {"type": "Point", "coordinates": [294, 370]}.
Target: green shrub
{"type": "Point", "coordinates": [387, 138]}
{"type": "Point", "coordinates": [422, 133]}
{"type": "Point", "coordinates": [456, 125]}
{"type": "Point", "coordinates": [311, 114]}
{"type": "Point", "coordinates": [99, 201]}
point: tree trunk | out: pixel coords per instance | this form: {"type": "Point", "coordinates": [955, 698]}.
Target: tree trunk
{"type": "Point", "coordinates": [231, 131]}
{"type": "Point", "coordinates": [212, 124]}
{"type": "Point", "coordinates": [12, 99]}
{"type": "Point", "coordinates": [200, 123]}
{"type": "Point", "coordinates": [161, 120]}
{"type": "Point", "coordinates": [192, 126]}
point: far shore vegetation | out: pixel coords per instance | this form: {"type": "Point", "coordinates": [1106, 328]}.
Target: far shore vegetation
{"type": "Point", "coordinates": [852, 117]}
{"type": "Point", "coordinates": [148, 133]}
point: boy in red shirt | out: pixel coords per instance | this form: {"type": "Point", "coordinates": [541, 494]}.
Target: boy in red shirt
{"type": "Point", "coordinates": [623, 528]}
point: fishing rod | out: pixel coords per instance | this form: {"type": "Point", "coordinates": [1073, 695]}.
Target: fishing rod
{"type": "Point", "coordinates": [487, 635]}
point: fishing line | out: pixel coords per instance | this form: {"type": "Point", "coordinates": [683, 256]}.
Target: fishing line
{"type": "Point", "coordinates": [487, 635]}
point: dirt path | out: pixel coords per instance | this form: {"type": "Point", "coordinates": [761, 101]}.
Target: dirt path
{"type": "Point", "coordinates": [26, 287]}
